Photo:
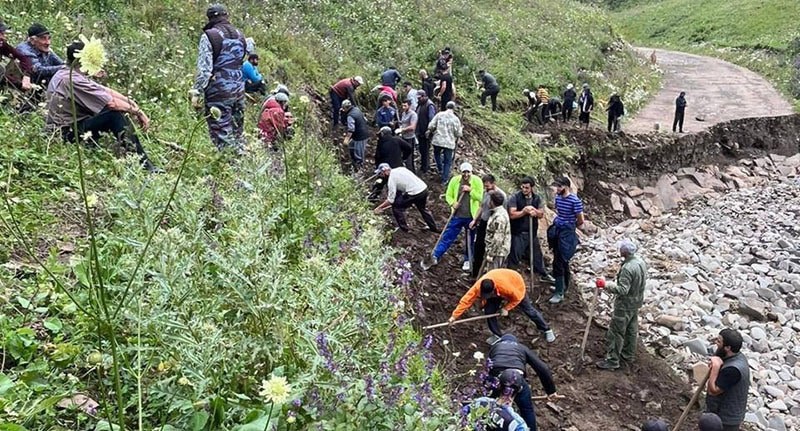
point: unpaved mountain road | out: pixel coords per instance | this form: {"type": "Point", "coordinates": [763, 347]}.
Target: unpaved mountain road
{"type": "Point", "coordinates": [715, 89]}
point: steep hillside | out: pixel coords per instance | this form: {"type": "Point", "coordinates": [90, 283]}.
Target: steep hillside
{"type": "Point", "coordinates": [169, 299]}
{"type": "Point", "coordinates": [757, 34]}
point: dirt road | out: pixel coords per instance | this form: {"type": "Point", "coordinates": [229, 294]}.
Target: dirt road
{"type": "Point", "coordinates": [715, 89]}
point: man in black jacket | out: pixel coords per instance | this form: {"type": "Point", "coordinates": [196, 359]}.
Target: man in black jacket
{"type": "Point", "coordinates": [508, 354]}
{"type": "Point", "coordinates": [426, 110]}
{"type": "Point", "coordinates": [356, 135]}
{"type": "Point", "coordinates": [524, 209]}
{"type": "Point", "coordinates": [680, 110]}
{"type": "Point", "coordinates": [391, 150]}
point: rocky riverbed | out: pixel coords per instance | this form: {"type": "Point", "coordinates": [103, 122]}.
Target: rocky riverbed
{"type": "Point", "coordinates": [728, 258]}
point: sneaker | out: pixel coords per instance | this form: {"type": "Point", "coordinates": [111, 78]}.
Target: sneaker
{"type": "Point", "coordinates": [549, 335]}
{"type": "Point", "coordinates": [426, 265]}
{"type": "Point", "coordinates": [547, 278]}
{"type": "Point", "coordinates": [556, 299]}
{"type": "Point", "coordinates": [466, 266]}
{"type": "Point", "coordinates": [605, 364]}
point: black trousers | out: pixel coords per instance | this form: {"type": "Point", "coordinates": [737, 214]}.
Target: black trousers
{"type": "Point", "coordinates": [404, 201]}
{"type": "Point", "coordinates": [409, 161]}
{"type": "Point", "coordinates": [258, 87]}
{"type": "Point", "coordinates": [491, 94]}
{"type": "Point", "coordinates": [566, 111]}
{"type": "Point", "coordinates": [424, 153]}
{"type": "Point", "coordinates": [479, 251]}
{"type": "Point", "coordinates": [678, 121]}
{"type": "Point", "coordinates": [493, 305]}
{"type": "Point", "coordinates": [107, 121]}
{"type": "Point", "coordinates": [613, 123]}
{"type": "Point", "coordinates": [520, 251]}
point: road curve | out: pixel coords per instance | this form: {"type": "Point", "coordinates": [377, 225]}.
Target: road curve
{"type": "Point", "coordinates": [716, 90]}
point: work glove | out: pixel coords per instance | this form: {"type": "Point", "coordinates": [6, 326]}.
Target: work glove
{"type": "Point", "coordinates": [398, 131]}
{"type": "Point", "coordinates": [451, 320]}
{"type": "Point", "coordinates": [503, 312]}
{"type": "Point", "coordinates": [600, 283]}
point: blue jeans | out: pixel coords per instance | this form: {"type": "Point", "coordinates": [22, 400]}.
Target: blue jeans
{"type": "Point", "coordinates": [451, 232]}
{"type": "Point", "coordinates": [444, 161]}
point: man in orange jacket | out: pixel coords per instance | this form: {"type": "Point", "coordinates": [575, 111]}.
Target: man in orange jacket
{"type": "Point", "coordinates": [497, 286]}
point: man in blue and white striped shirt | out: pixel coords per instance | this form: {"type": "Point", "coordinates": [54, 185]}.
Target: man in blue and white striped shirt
{"type": "Point", "coordinates": [561, 235]}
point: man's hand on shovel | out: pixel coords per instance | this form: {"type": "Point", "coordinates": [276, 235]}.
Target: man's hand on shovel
{"type": "Point", "coordinates": [503, 312]}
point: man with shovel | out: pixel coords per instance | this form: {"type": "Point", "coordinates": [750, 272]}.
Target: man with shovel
{"type": "Point", "coordinates": [624, 327]}
{"type": "Point", "coordinates": [500, 286]}
{"type": "Point", "coordinates": [508, 355]}
{"type": "Point", "coordinates": [481, 221]}
{"type": "Point", "coordinates": [525, 210]}
{"type": "Point", "coordinates": [464, 195]}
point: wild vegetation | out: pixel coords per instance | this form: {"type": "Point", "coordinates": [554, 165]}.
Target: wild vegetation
{"type": "Point", "coordinates": [257, 292]}
{"type": "Point", "coordinates": [759, 35]}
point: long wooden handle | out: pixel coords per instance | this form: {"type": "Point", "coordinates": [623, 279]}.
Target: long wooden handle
{"type": "Point", "coordinates": [694, 399]}
{"type": "Point", "coordinates": [530, 251]}
{"type": "Point", "coordinates": [588, 325]}
{"type": "Point", "coordinates": [469, 319]}
{"type": "Point", "coordinates": [545, 397]}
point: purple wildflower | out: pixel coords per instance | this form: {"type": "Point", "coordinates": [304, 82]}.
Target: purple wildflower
{"type": "Point", "coordinates": [325, 352]}
{"type": "Point", "coordinates": [369, 387]}
{"type": "Point", "coordinates": [297, 402]}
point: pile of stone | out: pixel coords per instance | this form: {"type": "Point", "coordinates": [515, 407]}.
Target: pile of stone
{"type": "Point", "coordinates": [731, 259]}
{"type": "Point", "coordinates": [688, 183]}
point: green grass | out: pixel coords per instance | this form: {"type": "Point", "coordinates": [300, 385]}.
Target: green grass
{"type": "Point", "coordinates": [758, 34]}
{"type": "Point", "coordinates": [269, 265]}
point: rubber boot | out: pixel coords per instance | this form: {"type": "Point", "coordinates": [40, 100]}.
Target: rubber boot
{"type": "Point", "coordinates": [558, 296]}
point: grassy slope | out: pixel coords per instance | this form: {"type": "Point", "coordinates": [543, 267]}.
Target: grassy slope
{"type": "Point", "coordinates": [757, 34]}
{"type": "Point", "coordinates": [239, 285]}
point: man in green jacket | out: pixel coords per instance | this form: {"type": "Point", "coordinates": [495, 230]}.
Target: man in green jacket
{"type": "Point", "coordinates": [464, 196]}
{"type": "Point", "coordinates": [624, 327]}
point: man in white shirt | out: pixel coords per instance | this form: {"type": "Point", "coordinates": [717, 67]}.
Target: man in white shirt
{"type": "Point", "coordinates": [405, 189]}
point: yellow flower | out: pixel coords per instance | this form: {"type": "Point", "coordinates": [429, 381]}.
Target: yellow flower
{"type": "Point", "coordinates": [275, 390]}
{"type": "Point", "coordinates": [92, 56]}
{"type": "Point", "coordinates": [183, 381]}
{"type": "Point", "coordinates": [291, 420]}
{"type": "Point", "coordinates": [216, 113]}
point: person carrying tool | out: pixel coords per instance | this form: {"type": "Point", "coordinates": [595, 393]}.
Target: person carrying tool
{"type": "Point", "coordinates": [405, 189]}
{"type": "Point", "coordinates": [561, 236]}
{"type": "Point", "coordinates": [464, 195]}
{"type": "Point", "coordinates": [532, 105]}
{"type": "Point", "coordinates": [357, 134]}
{"type": "Point", "coordinates": [498, 232]}
{"type": "Point", "coordinates": [525, 210]}
{"type": "Point", "coordinates": [629, 291]}
{"type": "Point", "coordinates": [481, 220]}
{"type": "Point", "coordinates": [507, 355]}
{"type": "Point", "coordinates": [496, 413]}
{"type": "Point", "coordinates": [729, 380]}
{"type": "Point", "coordinates": [500, 286]}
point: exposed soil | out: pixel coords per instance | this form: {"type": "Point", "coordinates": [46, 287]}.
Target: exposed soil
{"type": "Point", "coordinates": [596, 399]}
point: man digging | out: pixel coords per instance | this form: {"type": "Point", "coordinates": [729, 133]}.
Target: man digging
{"type": "Point", "coordinates": [500, 286]}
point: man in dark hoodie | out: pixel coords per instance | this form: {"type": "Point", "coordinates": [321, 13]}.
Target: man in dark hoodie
{"type": "Point", "coordinates": [569, 103]}
{"type": "Point", "coordinates": [585, 105]}
{"type": "Point", "coordinates": [508, 354]}
{"type": "Point", "coordinates": [615, 111]}
{"type": "Point", "coordinates": [219, 79]}
{"type": "Point", "coordinates": [391, 77]}
{"type": "Point", "coordinates": [391, 150]}
{"type": "Point", "coordinates": [680, 110]}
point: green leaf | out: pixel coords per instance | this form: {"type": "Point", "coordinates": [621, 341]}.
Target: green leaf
{"type": "Point", "coordinates": [24, 302]}
{"type": "Point", "coordinates": [53, 324]}
{"type": "Point", "coordinates": [11, 427]}
{"type": "Point", "coordinates": [5, 383]}
{"type": "Point", "coordinates": [258, 424]}
{"type": "Point", "coordinates": [105, 426]}
{"type": "Point", "coordinates": [198, 421]}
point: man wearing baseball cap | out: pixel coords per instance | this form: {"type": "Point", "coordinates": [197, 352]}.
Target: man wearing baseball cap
{"type": "Point", "coordinates": [37, 48]}
{"type": "Point", "coordinates": [561, 236]}
{"type": "Point", "coordinates": [405, 189]}
{"type": "Point", "coordinates": [344, 89]}
{"type": "Point", "coordinates": [464, 195]}
{"type": "Point", "coordinates": [25, 65]}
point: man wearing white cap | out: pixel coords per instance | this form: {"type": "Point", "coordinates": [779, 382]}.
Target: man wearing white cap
{"type": "Point", "coordinates": [569, 102]}
{"type": "Point", "coordinates": [464, 195]}
{"type": "Point", "coordinates": [405, 189]}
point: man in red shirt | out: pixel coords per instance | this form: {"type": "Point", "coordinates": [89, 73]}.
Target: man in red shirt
{"type": "Point", "coordinates": [25, 65]}
{"type": "Point", "coordinates": [343, 90]}
{"type": "Point", "coordinates": [495, 288]}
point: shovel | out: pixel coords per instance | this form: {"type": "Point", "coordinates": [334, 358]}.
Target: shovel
{"type": "Point", "coordinates": [469, 319]}
{"type": "Point", "coordinates": [452, 213]}
{"type": "Point", "coordinates": [694, 399]}
{"type": "Point", "coordinates": [530, 254]}
{"type": "Point", "coordinates": [579, 366]}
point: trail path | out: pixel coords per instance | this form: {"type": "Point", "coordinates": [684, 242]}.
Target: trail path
{"type": "Point", "coordinates": [718, 90]}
